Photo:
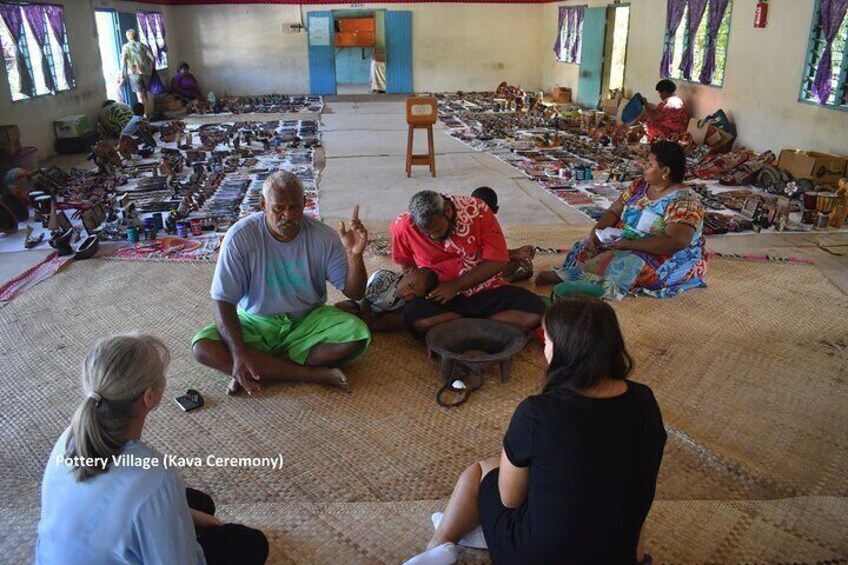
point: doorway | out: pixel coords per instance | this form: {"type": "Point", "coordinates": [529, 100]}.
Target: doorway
{"type": "Point", "coordinates": [360, 51]}
{"type": "Point", "coordinates": [615, 50]}
{"type": "Point", "coordinates": [373, 54]}
{"type": "Point", "coordinates": [111, 26]}
{"type": "Point", "coordinates": [604, 52]}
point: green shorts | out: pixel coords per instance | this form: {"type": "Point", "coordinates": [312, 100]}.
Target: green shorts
{"type": "Point", "coordinates": [296, 336]}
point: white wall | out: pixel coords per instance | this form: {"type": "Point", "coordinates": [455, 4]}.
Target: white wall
{"type": "Point", "coordinates": [35, 117]}
{"type": "Point", "coordinates": [242, 49]}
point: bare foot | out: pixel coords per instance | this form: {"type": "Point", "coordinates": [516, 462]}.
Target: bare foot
{"type": "Point", "coordinates": [333, 377]}
{"type": "Point", "coordinates": [547, 278]}
{"type": "Point", "coordinates": [234, 387]}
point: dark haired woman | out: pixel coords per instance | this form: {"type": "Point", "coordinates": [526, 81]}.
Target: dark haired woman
{"type": "Point", "coordinates": [661, 250]}
{"type": "Point", "coordinates": [107, 497]}
{"type": "Point", "coordinates": [669, 117]}
{"type": "Point", "coordinates": [578, 470]}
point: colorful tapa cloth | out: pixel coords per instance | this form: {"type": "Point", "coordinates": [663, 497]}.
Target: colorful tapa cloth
{"type": "Point", "coordinates": [639, 272]}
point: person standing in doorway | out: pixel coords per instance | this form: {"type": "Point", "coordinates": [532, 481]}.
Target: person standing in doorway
{"type": "Point", "coordinates": [137, 63]}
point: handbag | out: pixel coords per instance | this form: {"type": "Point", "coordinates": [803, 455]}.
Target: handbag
{"type": "Point", "coordinates": [156, 86]}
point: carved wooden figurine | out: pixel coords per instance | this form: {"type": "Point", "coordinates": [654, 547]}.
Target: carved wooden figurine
{"type": "Point", "coordinates": [840, 210]}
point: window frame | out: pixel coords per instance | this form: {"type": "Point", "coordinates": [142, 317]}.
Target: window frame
{"type": "Point", "coordinates": [51, 58]}
{"type": "Point", "coordinates": [684, 26]}
{"type": "Point", "coordinates": [808, 71]}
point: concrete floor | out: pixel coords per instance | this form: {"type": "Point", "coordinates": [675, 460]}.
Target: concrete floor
{"type": "Point", "coordinates": [364, 156]}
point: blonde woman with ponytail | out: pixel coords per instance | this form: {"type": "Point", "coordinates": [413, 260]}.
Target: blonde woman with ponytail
{"type": "Point", "coordinates": [106, 496]}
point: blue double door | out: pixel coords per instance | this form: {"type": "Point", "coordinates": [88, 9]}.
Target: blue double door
{"type": "Point", "coordinates": [322, 52]}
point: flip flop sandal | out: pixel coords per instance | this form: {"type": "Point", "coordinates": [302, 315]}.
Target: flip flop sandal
{"type": "Point", "coordinates": [462, 394]}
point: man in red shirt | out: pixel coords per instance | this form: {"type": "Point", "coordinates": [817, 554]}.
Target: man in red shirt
{"type": "Point", "coordinates": [459, 238]}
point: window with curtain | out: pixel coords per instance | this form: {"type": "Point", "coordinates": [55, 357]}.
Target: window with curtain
{"type": "Point", "coordinates": [151, 32]}
{"type": "Point", "coordinates": [696, 37]}
{"type": "Point", "coordinates": [568, 46]}
{"type": "Point", "coordinates": [825, 79]}
{"type": "Point", "coordinates": [36, 54]}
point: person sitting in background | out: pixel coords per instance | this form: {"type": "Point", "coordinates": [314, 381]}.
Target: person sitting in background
{"type": "Point", "coordinates": [659, 250]}
{"type": "Point", "coordinates": [668, 117]}
{"type": "Point", "coordinates": [385, 295]}
{"type": "Point", "coordinates": [520, 266]}
{"type": "Point", "coordinates": [138, 129]}
{"type": "Point", "coordinates": [114, 116]}
{"type": "Point", "coordinates": [99, 505]}
{"type": "Point", "coordinates": [577, 474]}
{"type": "Point", "coordinates": [184, 85]}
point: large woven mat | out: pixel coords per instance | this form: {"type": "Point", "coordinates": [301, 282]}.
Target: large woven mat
{"type": "Point", "coordinates": [750, 375]}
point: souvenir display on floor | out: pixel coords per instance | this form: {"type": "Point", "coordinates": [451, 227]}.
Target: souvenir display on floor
{"type": "Point", "coordinates": [587, 158]}
{"type": "Point", "coordinates": [195, 181]}
{"type": "Point", "coordinates": [265, 104]}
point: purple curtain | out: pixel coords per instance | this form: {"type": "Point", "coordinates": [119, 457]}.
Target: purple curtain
{"type": "Point", "coordinates": [716, 14]}
{"type": "Point", "coordinates": [673, 17]}
{"type": "Point", "coordinates": [696, 13]}
{"type": "Point", "coordinates": [579, 14]}
{"type": "Point", "coordinates": [11, 15]}
{"type": "Point", "coordinates": [56, 17]}
{"type": "Point", "coordinates": [832, 12]}
{"type": "Point", "coordinates": [561, 22]}
{"type": "Point", "coordinates": [158, 23]}
{"type": "Point", "coordinates": [35, 16]}
{"type": "Point", "coordinates": [154, 28]}
{"type": "Point", "coordinates": [144, 33]}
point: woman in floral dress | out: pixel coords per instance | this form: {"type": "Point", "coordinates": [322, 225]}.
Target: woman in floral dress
{"type": "Point", "coordinates": [661, 250]}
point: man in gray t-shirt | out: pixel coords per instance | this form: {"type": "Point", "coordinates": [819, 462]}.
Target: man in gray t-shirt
{"type": "Point", "coordinates": [270, 290]}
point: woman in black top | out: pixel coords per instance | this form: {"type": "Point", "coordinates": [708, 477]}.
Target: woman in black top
{"type": "Point", "coordinates": [578, 471]}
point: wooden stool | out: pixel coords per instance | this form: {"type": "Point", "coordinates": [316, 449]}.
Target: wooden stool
{"type": "Point", "coordinates": [421, 114]}
{"type": "Point", "coordinates": [424, 159]}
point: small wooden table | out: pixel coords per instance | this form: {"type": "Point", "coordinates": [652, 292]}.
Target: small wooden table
{"type": "Point", "coordinates": [421, 113]}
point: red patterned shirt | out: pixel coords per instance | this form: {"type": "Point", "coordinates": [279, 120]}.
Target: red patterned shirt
{"type": "Point", "coordinates": [675, 119]}
{"type": "Point", "coordinates": [476, 237]}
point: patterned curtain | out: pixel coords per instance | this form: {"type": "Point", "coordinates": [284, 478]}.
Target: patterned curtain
{"type": "Point", "coordinates": [558, 42]}
{"type": "Point", "coordinates": [154, 31]}
{"type": "Point", "coordinates": [158, 23]}
{"type": "Point", "coordinates": [573, 33]}
{"type": "Point", "coordinates": [11, 15]}
{"type": "Point", "coordinates": [35, 16]}
{"type": "Point", "coordinates": [56, 18]}
{"type": "Point", "coordinates": [832, 13]}
{"type": "Point", "coordinates": [696, 13]}
{"type": "Point", "coordinates": [673, 17]}
{"type": "Point", "coordinates": [716, 15]}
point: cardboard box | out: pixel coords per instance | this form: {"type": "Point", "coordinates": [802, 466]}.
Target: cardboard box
{"type": "Point", "coordinates": [561, 95]}
{"type": "Point", "coordinates": [10, 140]}
{"type": "Point", "coordinates": [821, 168]}
{"type": "Point", "coordinates": [71, 126]}
{"type": "Point", "coordinates": [167, 104]}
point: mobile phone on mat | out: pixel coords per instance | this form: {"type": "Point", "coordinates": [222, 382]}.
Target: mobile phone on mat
{"type": "Point", "coordinates": [191, 400]}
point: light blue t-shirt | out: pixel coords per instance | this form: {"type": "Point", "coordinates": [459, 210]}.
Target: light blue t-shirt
{"type": "Point", "coordinates": [267, 277]}
{"type": "Point", "coordinates": [126, 515]}
{"type": "Point", "coordinates": [132, 126]}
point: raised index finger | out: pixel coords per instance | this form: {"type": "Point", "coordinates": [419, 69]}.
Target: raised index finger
{"type": "Point", "coordinates": [355, 213]}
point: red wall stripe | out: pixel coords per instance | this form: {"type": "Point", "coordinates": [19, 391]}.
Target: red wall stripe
{"type": "Point", "coordinates": [319, 2]}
